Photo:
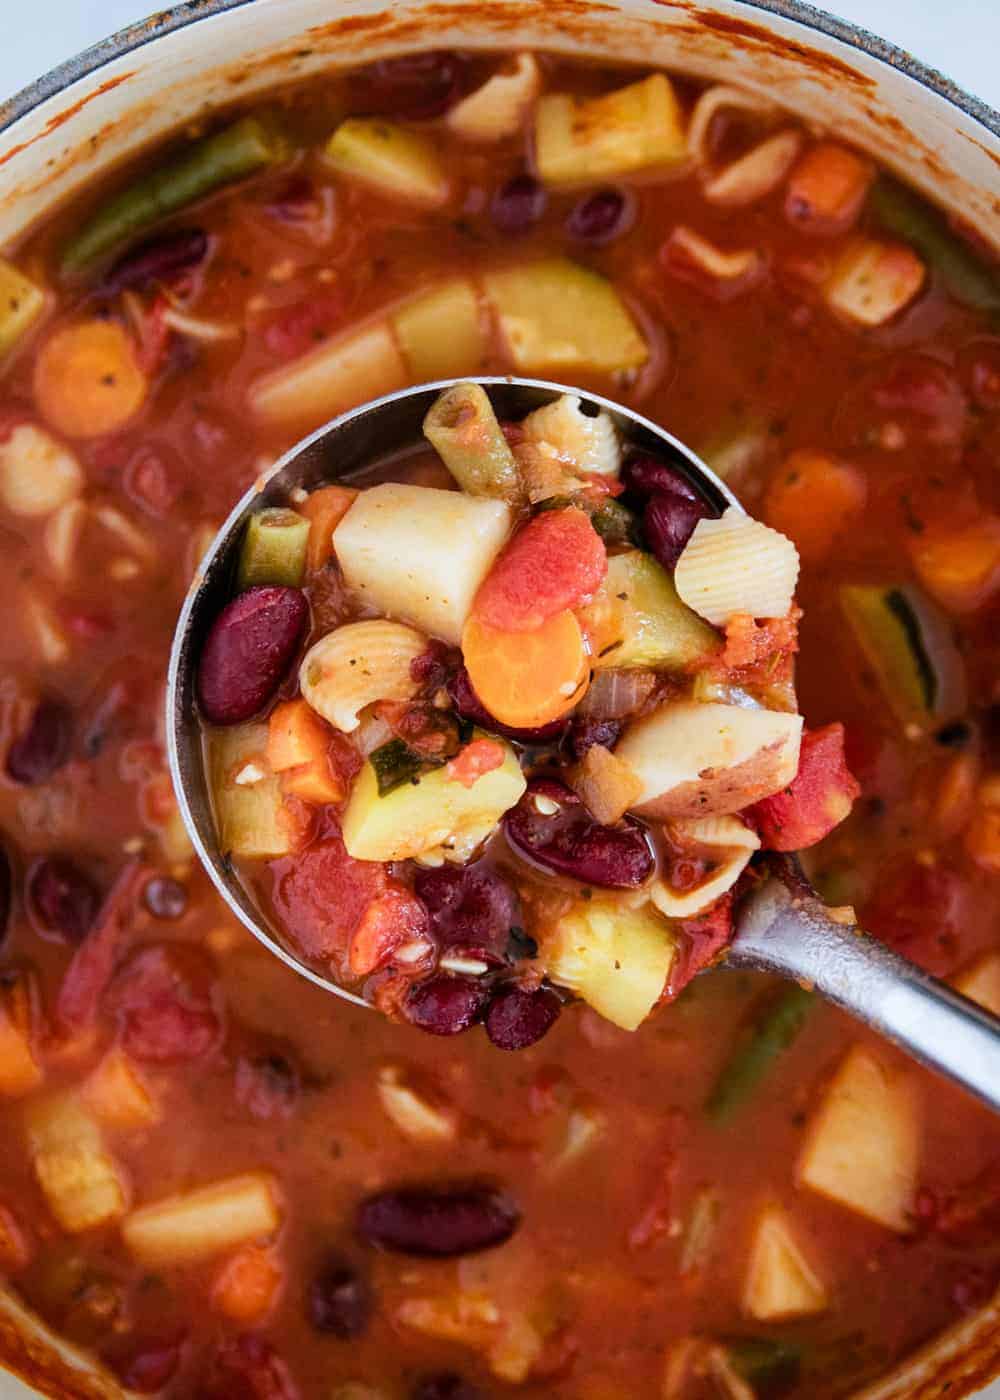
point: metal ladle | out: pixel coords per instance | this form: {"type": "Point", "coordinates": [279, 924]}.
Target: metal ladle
{"type": "Point", "coordinates": [782, 927]}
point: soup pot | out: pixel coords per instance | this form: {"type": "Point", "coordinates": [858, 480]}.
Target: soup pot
{"type": "Point", "coordinates": [73, 125]}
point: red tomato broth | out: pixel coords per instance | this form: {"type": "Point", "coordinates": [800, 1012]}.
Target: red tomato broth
{"type": "Point", "coordinates": [617, 1306]}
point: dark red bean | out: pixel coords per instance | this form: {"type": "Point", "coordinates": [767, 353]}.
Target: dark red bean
{"type": "Point", "coordinates": [267, 1085]}
{"type": "Point", "coordinates": [472, 909]}
{"type": "Point", "coordinates": [6, 891]}
{"type": "Point", "coordinates": [646, 475]}
{"type": "Point", "coordinates": [586, 731]}
{"type": "Point", "coordinates": [518, 1018]}
{"type": "Point", "coordinates": [445, 1385]}
{"type": "Point", "coordinates": [295, 202]}
{"type": "Point", "coordinates": [437, 1222]}
{"type": "Point", "coordinates": [43, 747]}
{"type": "Point", "coordinates": [669, 522]}
{"type": "Point", "coordinates": [569, 841]}
{"type": "Point", "coordinates": [518, 204]}
{"type": "Point", "coordinates": [247, 1368]}
{"type": "Point", "coordinates": [62, 901]}
{"type": "Point", "coordinates": [445, 1005]}
{"type": "Point", "coordinates": [148, 1364]}
{"type": "Point", "coordinates": [159, 259]}
{"type": "Point", "coordinates": [469, 706]}
{"type": "Point", "coordinates": [339, 1302]}
{"type": "Point", "coordinates": [165, 898]}
{"type": "Point", "coordinates": [248, 650]}
{"type": "Point", "coordinates": [415, 86]}
{"type": "Point", "coordinates": [600, 217]}
{"type": "Point", "coordinates": [433, 668]}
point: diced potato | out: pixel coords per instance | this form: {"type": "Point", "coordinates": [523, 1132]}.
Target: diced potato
{"type": "Point", "coordinates": [584, 140]}
{"type": "Point", "coordinates": [780, 1281]}
{"type": "Point", "coordinates": [637, 619]}
{"type": "Point", "coordinates": [617, 959]}
{"type": "Point", "coordinates": [980, 982]}
{"type": "Point", "coordinates": [398, 163]}
{"type": "Point", "coordinates": [117, 1094]}
{"type": "Point", "coordinates": [497, 109]}
{"type": "Point", "coordinates": [355, 665]}
{"type": "Point", "coordinates": [20, 1071]}
{"type": "Point", "coordinates": [432, 810]}
{"type": "Point", "coordinates": [440, 331]}
{"type": "Point", "coordinates": [416, 1117]}
{"type": "Point", "coordinates": [556, 315]}
{"type": "Point", "coordinates": [208, 1220]}
{"type": "Point", "coordinates": [37, 474]}
{"type": "Point", "coordinates": [21, 304]}
{"type": "Point", "coordinates": [250, 811]}
{"type": "Point", "coordinates": [82, 1183]}
{"type": "Point", "coordinates": [863, 1145]}
{"type": "Point", "coordinates": [701, 759]}
{"type": "Point", "coordinates": [873, 281]}
{"type": "Point", "coordinates": [339, 374]}
{"type": "Point", "coordinates": [419, 554]}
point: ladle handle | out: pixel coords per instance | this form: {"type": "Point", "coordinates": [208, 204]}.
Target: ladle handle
{"type": "Point", "coordinates": [785, 929]}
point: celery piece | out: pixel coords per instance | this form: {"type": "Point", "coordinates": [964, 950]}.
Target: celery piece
{"type": "Point", "coordinates": [440, 331]}
{"type": "Point", "coordinates": [969, 278]}
{"type": "Point", "coordinates": [230, 154]}
{"type": "Point", "coordinates": [463, 428]}
{"type": "Point", "coordinates": [400, 164]}
{"type": "Point", "coordinates": [773, 1033]}
{"type": "Point", "coordinates": [580, 140]}
{"type": "Point", "coordinates": [273, 548]}
{"type": "Point", "coordinates": [556, 315]}
{"type": "Point", "coordinates": [21, 303]}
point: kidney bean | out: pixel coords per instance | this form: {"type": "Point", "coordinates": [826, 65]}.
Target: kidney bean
{"type": "Point", "coordinates": [247, 1368]}
{"type": "Point", "coordinates": [437, 1222]}
{"type": "Point", "coordinates": [165, 898]}
{"type": "Point", "coordinates": [518, 1018]}
{"type": "Point", "coordinates": [669, 523]}
{"type": "Point", "coordinates": [267, 1085]}
{"type": "Point", "coordinates": [339, 1300]}
{"type": "Point", "coordinates": [600, 217]}
{"type": "Point", "coordinates": [148, 1364]}
{"type": "Point", "coordinates": [469, 706]}
{"type": "Point", "coordinates": [61, 899]}
{"type": "Point", "coordinates": [248, 650]}
{"type": "Point", "coordinates": [586, 731]}
{"type": "Point", "coordinates": [6, 891]}
{"type": "Point", "coordinates": [569, 841]}
{"type": "Point", "coordinates": [472, 909]}
{"type": "Point", "coordinates": [646, 475]}
{"type": "Point", "coordinates": [445, 1005]}
{"type": "Point", "coordinates": [414, 86]}
{"type": "Point", "coordinates": [445, 1385]}
{"type": "Point", "coordinates": [433, 668]}
{"type": "Point", "coordinates": [518, 204]}
{"type": "Point", "coordinates": [159, 259]}
{"type": "Point", "coordinates": [43, 747]}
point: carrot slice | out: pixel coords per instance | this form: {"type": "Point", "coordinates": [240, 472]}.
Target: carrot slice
{"type": "Point", "coordinates": [527, 679]}
{"type": "Point", "coordinates": [324, 509]}
{"type": "Point", "coordinates": [812, 498]}
{"type": "Point", "coordinates": [556, 562]}
{"type": "Point", "coordinates": [87, 379]}
{"type": "Point", "coordinates": [315, 763]}
{"type": "Point", "coordinates": [247, 1285]}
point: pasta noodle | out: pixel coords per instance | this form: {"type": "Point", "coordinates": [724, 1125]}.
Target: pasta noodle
{"type": "Point", "coordinates": [737, 565]}
{"type": "Point", "coordinates": [357, 665]}
{"type": "Point", "coordinates": [497, 109]}
{"type": "Point", "coordinates": [587, 444]}
{"type": "Point", "coordinates": [726, 838]}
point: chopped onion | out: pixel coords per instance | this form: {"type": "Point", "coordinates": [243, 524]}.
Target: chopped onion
{"type": "Point", "coordinates": [197, 329]}
{"type": "Point", "coordinates": [615, 694]}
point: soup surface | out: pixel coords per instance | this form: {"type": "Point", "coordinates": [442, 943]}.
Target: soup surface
{"type": "Point", "coordinates": [222, 1180]}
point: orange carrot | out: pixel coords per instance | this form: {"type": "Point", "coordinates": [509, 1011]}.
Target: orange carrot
{"type": "Point", "coordinates": [87, 379]}
{"type": "Point", "coordinates": [325, 509]}
{"type": "Point", "coordinates": [298, 747]}
{"type": "Point", "coordinates": [527, 679]}
{"type": "Point", "coordinates": [247, 1286]}
{"type": "Point", "coordinates": [982, 839]}
{"type": "Point", "coordinates": [827, 188]}
{"type": "Point", "coordinates": [811, 499]}
{"type": "Point", "coordinates": [392, 919]}
{"type": "Point", "coordinates": [20, 1071]}
{"type": "Point", "coordinates": [960, 566]}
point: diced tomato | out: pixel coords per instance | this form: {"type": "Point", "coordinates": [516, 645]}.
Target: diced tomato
{"type": "Point", "coordinates": [152, 481]}
{"type": "Point", "coordinates": [919, 910]}
{"type": "Point", "coordinates": [479, 757]}
{"type": "Point", "coordinates": [556, 562]}
{"type": "Point", "coordinates": [303, 325]}
{"type": "Point", "coordinates": [145, 1364]}
{"type": "Point", "coordinates": [818, 798]}
{"type": "Point", "coordinates": [395, 917]}
{"type": "Point", "coordinates": [750, 642]}
{"type": "Point", "coordinates": [322, 893]}
{"type": "Point", "coordinates": [702, 940]}
{"type": "Point", "coordinates": [248, 1368]}
{"type": "Point", "coordinates": [94, 961]}
{"type": "Point", "coordinates": [163, 998]}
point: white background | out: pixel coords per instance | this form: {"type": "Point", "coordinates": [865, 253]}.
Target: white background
{"type": "Point", "coordinates": [961, 38]}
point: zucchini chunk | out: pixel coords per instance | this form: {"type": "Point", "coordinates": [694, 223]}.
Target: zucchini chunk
{"type": "Point", "coordinates": [440, 331]}
{"type": "Point", "coordinates": [637, 619]}
{"type": "Point", "coordinates": [250, 812]}
{"type": "Point", "coordinates": [398, 163]}
{"type": "Point", "coordinates": [615, 958]}
{"type": "Point", "coordinates": [579, 140]}
{"type": "Point", "coordinates": [21, 304]}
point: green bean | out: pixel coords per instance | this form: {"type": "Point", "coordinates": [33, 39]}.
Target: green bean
{"type": "Point", "coordinates": [463, 428]}
{"type": "Point", "coordinates": [967, 277]}
{"type": "Point", "coordinates": [754, 1057]}
{"type": "Point", "coordinates": [231, 154]}
{"type": "Point", "coordinates": [274, 548]}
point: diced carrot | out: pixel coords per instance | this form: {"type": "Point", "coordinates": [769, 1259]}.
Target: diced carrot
{"type": "Point", "coordinates": [299, 747]}
{"type": "Point", "coordinates": [15, 1247]}
{"type": "Point", "coordinates": [324, 510]}
{"type": "Point", "coordinates": [87, 379]}
{"type": "Point", "coordinates": [115, 1091]}
{"type": "Point", "coordinates": [247, 1286]}
{"type": "Point", "coordinates": [477, 758]}
{"type": "Point", "coordinates": [982, 839]}
{"type": "Point", "coordinates": [812, 498]}
{"type": "Point", "coordinates": [556, 562]}
{"type": "Point", "coordinates": [396, 917]}
{"type": "Point", "coordinates": [20, 1071]}
{"type": "Point", "coordinates": [827, 188]}
{"type": "Point", "coordinates": [960, 566]}
{"type": "Point", "coordinates": [527, 679]}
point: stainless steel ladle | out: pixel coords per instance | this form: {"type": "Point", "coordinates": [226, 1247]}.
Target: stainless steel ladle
{"type": "Point", "coordinates": [782, 927]}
